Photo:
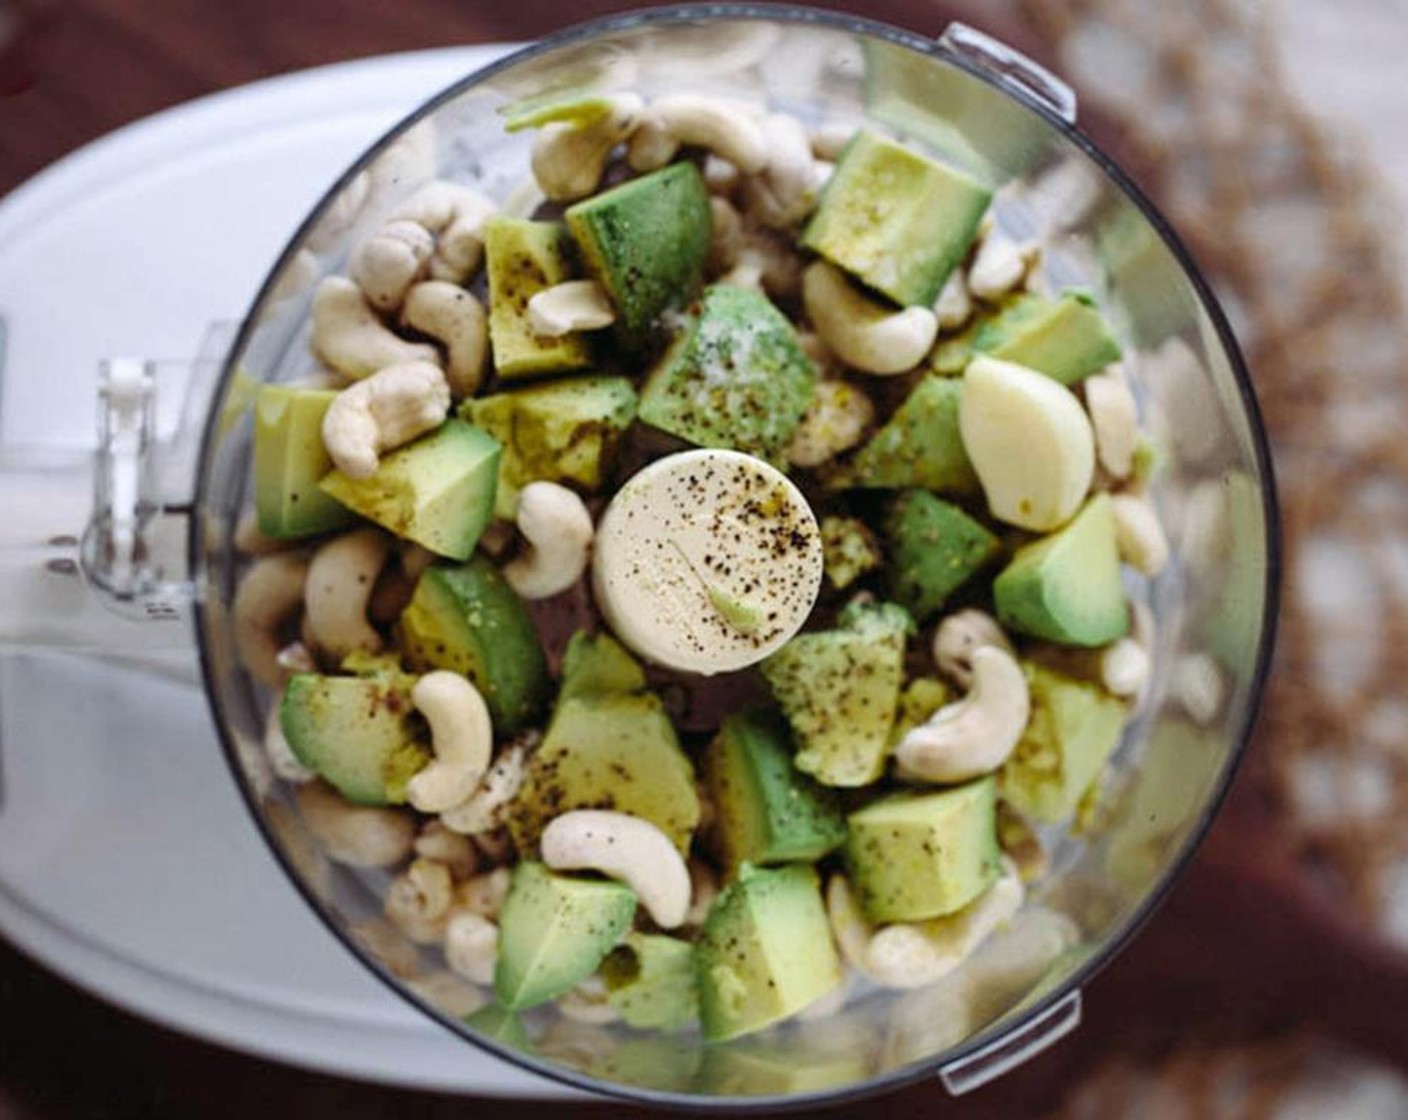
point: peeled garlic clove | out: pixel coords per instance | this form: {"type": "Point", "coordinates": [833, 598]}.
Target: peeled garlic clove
{"type": "Point", "coordinates": [1030, 443]}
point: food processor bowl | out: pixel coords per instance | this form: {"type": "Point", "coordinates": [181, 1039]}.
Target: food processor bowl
{"type": "Point", "coordinates": [1207, 619]}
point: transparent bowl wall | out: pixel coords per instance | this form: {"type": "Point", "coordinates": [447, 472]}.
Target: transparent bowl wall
{"type": "Point", "coordinates": [1209, 614]}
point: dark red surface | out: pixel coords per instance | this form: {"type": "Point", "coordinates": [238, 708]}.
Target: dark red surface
{"type": "Point", "coordinates": [1238, 947]}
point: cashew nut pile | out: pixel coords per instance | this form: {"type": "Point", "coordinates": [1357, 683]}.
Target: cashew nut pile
{"type": "Point", "coordinates": [959, 609]}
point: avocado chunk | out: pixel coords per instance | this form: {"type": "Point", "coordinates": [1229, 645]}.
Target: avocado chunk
{"type": "Point", "coordinates": [608, 752]}
{"type": "Point", "coordinates": [501, 1025]}
{"type": "Point", "coordinates": [918, 446]}
{"type": "Point", "coordinates": [1073, 729]}
{"type": "Point", "coordinates": [839, 689]}
{"type": "Point", "coordinates": [359, 733]}
{"type": "Point", "coordinates": [897, 220]}
{"type": "Point", "coordinates": [848, 550]}
{"type": "Point", "coordinates": [289, 461]}
{"type": "Point", "coordinates": [934, 549]}
{"type": "Point", "coordinates": [766, 810]}
{"type": "Point", "coordinates": [1065, 338]}
{"type": "Point", "coordinates": [1066, 586]}
{"type": "Point", "coordinates": [921, 698]}
{"type": "Point", "coordinates": [554, 931]}
{"type": "Point", "coordinates": [521, 259]}
{"type": "Point", "coordinates": [466, 618]}
{"type": "Point", "coordinates": [437, 491]}
{"type": "Point", "coordinates": [735, 377]}
{"type": "Point", "coordinates": [765, 951]}
{"type": "Point", "coordinates": [645, 242]}
{"type": "Point", "coordinates": [563, 431]}
{"type": "Point", "coordinates": [596, 665]}
{"type": "Point", "coordinates": [913, 856]}
{"type": "Point", "coordinates": [650, 980]}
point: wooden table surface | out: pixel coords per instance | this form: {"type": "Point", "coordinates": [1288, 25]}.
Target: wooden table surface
{"type": "Point", "coordinates": [1237, 949]}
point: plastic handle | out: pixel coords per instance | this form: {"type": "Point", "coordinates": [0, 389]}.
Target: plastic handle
{"type": "Point", "coordinates": [1014, 1048]}
{"type": "Point", "coordinates": [1011, 68]}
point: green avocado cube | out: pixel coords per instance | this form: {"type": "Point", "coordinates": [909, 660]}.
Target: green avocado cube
{"type": "Point", "coordinates": [356, 732]}
{"type": "Point", "coordinates": [848, 550]}
{"type": "Point", "coordinates": [596, 665]}
{"type": "Point", "coordinates": [467, 619]}
{"type": "Point", "coordinates": [290, 460]}
{"type": "Point", "coordinates": [934, 548]}
{"type": "Point", "coordinates": [521, 259]}
{"type": "Point", "coordinates": [734, 377]}
{"type": "Point", "coordinates": [608, 752]}
{"type": "Point", "coordinates": [765, 951]}
{"type": "Point", "coordinates": [1073, 729]}
{"type": "Point", "coordinates": [921, 698]}
{"type": "Point", "coordinates": [554, 931]}
{"type": "Point", "coordinates": [645, 242]}
{"type": "Point", "coordinates": [562, 431]}
{"type": "Point", "coordinates": [914, 856]}
{"type": "Point", "coordinates": [1066, 338]}
{"type": "Point", "coordinates": [839, 690]}
{"type": "Point", "coordinates": [896, 220]}
{"type": "Point", "coordinates": [651, 981]}
{"type": "Point", "coordinates": [437, 491]}
{"type": "Point", "coordinates": [1066, 587]}
{"type": "Point", "coordinates": [918, 446]}
{"type": "Point", "coordinates": [766, 810]}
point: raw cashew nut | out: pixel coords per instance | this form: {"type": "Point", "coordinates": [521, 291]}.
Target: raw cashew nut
{"type": "Point", "coordinates": [456, 852]}
{"type": "Point", "coordinates": [390, 408]}
{"type": "Point", "coordinates": [339, 588]}
{"type": "Point", "coordinates": [651, 146]}
{"type": "Point", "coordinates": [471, 946]}
{"type": "Point", "coordinates": [959, 636]}
{"type": "Point", "coordinates": [1196, 683]}
{"type": "Point", "coordinates": [575, 305]}
{"type": "Point", "coordinates": [914, 954]}
{"type": "Point", "coordinates": [974, 735]}
{"type": "Point", "coordinates": [357, 835]}
{"type": "Point", "coordinates": [282, 760]}
{"type": "Point", "coordinates": [786, 191]}
{"type": "Point", "coordinates": [835, 422]}
{"type": "Point", "coordinates": [627, 848]}
{"type": "Point", "coordinates": [569, 160]}
{"type": "Point", "coordinates": [297, 658]}
{"type": "Point", "coordinates": [449, 992]}
{"type": "Point", "coordinates": [455, 319]}
{"type": "Point", "coordinates": [1138, 533]}
{"type": "Point", "coordinates": [463, 737]}
{"type": "Point", "coordinates": [558, 528]}
{"type": "Point", "coordinates": [484, 894]}
{"type": "Point", "coordinates": [268, 596]}
{"type": "Point", "coordinates": [418, 900]}
{"type": "Point", "coordinates": [587, 1002]}
{"type": "Point", "coordinates": [723, 127]}
{"type": "Point", "coordinates": [865, 334]}
{"type": "Point", "coordinates": [454, 215]}
{"type": "Point", "coordinates": [1124, 667]}
{"type": "Point", "coordinates": [704, 888]}
{"type": "Point", "coordinates": [829, 140]}
{"type": "Point", "coordinates": [725, 234]}
{"type": "Point", "coordinates": [482, 811]}
{"type": "Point", "coordinates": [999, 266]}
{"type": "Point", "coordinates": [349, 336]}
{"type": "Point", "coordinates": [390, 261]}
{"type": "Point", "coordinates": [1115, 421]}
{"type": "Point", "coordinates": [954, 307]}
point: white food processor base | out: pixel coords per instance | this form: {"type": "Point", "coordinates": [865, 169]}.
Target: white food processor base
{"type": "Point", "coordinates": [127, 861]}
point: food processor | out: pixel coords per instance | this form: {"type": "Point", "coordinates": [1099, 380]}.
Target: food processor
{"type": "Point", "coordinates": [170, 483]}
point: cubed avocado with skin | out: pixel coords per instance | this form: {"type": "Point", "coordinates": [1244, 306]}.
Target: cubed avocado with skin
{"type": "Point", "coordinates": [735, 376]}
{"type": "Point", "coordinates": [934, 548]}
{"type": "Point", "coordinates": [645, 242]}
{"type": "Point", "coordinates": [608, 752]}
{"type": "Point", "coordinates": [650, 980]}
{"type": "Point", "coordinates": [918, 446]}
{"type": "Point", "coordinates": [1065, 338]}
{"type": "Point", "coordinates": [289, 462]}
{"type": "Point", "coordinates": [848, 549]}
{"type": "Point", "coordinates": [562, 431]}
{"type": "Point", "coordinates": [913, 856]}
{"type": "Point", "coordinates": [839, 689]}
{"type": "Point", "coordinates": [553, 932]}
{"type": "Point", "coordinates": [597, 665]}
{"type": "Point", "coordinates": [521, 259]}
{"type": "Point", "coordinates": [466, 618]}
{"type": "Point", "coordinates": [1066, 587]}
{"type": "Point", "coordinates": [437, 491]}
{"type": "Point", "coordinates": [1073, 729]}
{"type": "Point", "coordinates": [359, 733]}
{"type": "Point", "coordinates": [767, 811]}
{"type": "Point", "coordinates": [765, 951]}
{"type": "Point", "coordinates": [896, 220]}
